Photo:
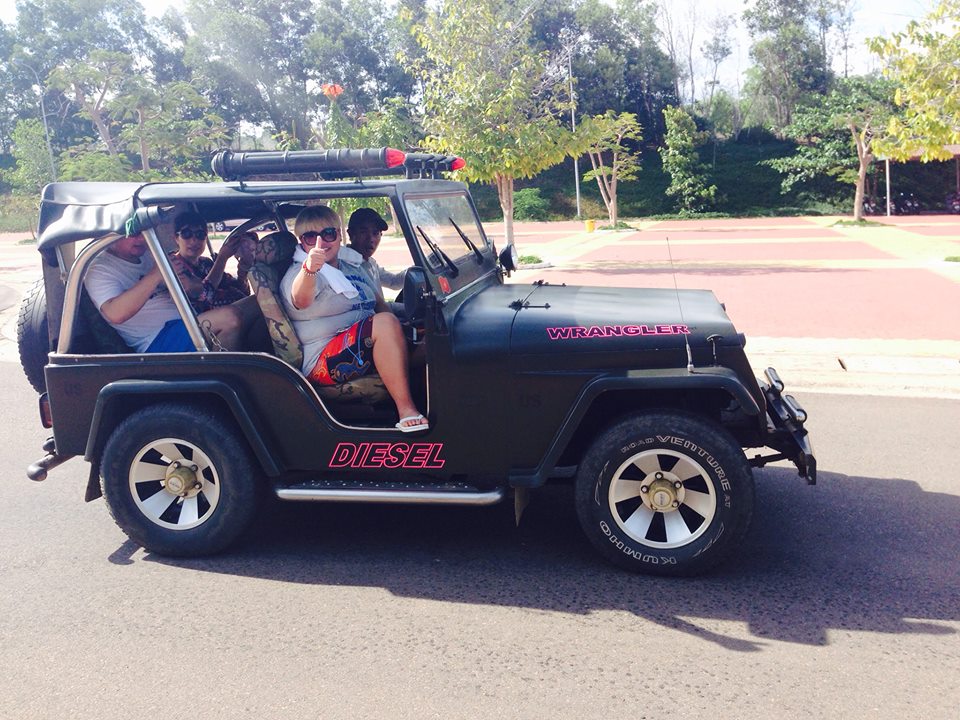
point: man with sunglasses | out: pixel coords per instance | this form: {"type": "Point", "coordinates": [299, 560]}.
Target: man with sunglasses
{"type": "Point", "coordinates": [340, 316]}
{"type": "Point", "coordinates": [127, 288]}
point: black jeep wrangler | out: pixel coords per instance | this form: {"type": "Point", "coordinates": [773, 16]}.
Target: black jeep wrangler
{"type": "Point", "coordinates": [643, 398]}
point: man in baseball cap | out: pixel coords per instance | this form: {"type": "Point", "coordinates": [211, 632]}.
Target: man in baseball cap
{"type": "Point", "coordinates": [365, 229]}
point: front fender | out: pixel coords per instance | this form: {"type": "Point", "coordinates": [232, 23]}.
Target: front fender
{"type": "Point", "coordinates": [700, 379]}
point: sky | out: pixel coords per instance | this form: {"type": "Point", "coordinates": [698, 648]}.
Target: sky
{"type": "Point", "coordinates": [873, 17]}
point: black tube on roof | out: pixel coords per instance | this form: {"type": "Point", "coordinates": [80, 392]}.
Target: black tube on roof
{"type": "Point", "coordinates": [231, 165]}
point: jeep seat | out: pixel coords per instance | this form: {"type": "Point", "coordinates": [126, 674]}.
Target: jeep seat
{"type": "Point", "coordinates": [271, 260]}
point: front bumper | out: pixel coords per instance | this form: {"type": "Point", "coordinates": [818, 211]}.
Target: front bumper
{"type": "Point", "coordinates": [787, 435]}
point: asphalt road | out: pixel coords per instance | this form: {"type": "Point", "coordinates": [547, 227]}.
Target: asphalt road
{"type": "Point", "coordinates": [844, 603]}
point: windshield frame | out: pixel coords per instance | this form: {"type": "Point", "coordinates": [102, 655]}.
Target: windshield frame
{"type": "Point", "coordinates": [443, 233]}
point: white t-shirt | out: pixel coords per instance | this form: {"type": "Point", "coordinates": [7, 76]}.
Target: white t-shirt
{"type": "Point", "coordinates": [109, 276]}
{"type": "Point", "coordinates": [330, 313]}
{"type": "Point", "coordinates": [384, 278]}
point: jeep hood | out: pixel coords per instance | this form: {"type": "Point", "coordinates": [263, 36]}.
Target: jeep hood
{"type": "Point", "coordinates": [564, 319]}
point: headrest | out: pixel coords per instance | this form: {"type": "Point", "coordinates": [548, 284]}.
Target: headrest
{"type": "Point", "coordinates": [275, 247]}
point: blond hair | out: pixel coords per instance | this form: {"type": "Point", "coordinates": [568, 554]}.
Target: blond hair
{"type": "Point", "coordinates": [314, 215]}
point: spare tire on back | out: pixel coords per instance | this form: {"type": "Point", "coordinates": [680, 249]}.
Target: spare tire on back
{"type": "Point", "coordinates": [33, 339]}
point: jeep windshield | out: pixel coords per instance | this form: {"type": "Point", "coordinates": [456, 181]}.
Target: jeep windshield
{"type": "Point", "coordinates": [446, 229]}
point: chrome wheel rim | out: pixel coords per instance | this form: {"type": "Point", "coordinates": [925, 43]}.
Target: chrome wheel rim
{"type": "Point", "coordinates": [174, 484]}
{"type": "Point", "coordinates": [662, 498]}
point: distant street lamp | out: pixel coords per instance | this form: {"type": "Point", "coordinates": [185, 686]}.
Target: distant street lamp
{"type": "Point", "coordinates": [43, 116]}
{"type": "Point", "coordinates": [573, 124]}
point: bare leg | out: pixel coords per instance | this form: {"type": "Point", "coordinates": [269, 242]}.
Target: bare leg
{"type": "Point", "coordinates": [390, 357]}
{"type": "Point", "coordinates": [225, 323]}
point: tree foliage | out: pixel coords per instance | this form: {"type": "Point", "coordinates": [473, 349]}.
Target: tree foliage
{"type": "Point", "coordinates": [836, 135]}
{"type": "Point", "coordinates": [924, 62]}
{"type": "Point", "coordinates": [32, 170]}
{"type": "Point", "coordinates": [492, 80]}
{"type": "Point", "coordinates": [681, 162]}
{"type": "Point", "coordinates": [487, 98]}
{"type": "Point", "coordinates": [789, 59]}
{"type": "Point", "coordinates": [266, 51]}
{"type": "Point", "coordinates": [91, 85]}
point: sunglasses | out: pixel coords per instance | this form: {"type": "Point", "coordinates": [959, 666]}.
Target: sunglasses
{"type": "Point", "coordinates": [188, 234]}
{"type": "Point", "coordinates": [328, 233]}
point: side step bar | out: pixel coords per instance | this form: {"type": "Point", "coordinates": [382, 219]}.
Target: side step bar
{"type": "Point", "coordinates": [396, 493]}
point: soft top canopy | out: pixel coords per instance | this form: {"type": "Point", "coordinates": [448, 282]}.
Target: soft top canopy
{"type": "Point", "coordinates": [74, 211]}
{"type": "Point", "coordinates": [78, 210]}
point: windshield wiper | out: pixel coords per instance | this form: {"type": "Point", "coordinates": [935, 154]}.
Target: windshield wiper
{"type": "Point", "coordinates": [466, 240]}
{"type": "Point", "coordinates": [454, 270]}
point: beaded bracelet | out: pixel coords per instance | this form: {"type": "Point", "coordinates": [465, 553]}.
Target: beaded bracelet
{"type": "Point", "coordinates": [307, 271]}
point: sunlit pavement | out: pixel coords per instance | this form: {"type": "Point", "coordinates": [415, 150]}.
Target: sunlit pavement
{"type": "Point", "coordinates": [872, 309]}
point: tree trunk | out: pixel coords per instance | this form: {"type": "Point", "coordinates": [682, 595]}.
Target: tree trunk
{"type": "Point", "coordinates": [864, 157]}
{"type": "Point", "coordinates": [144, 151]}
{"type": "Point", "coordinates": [96, 116]}
{"type": "Point", "coordinates": [612, 210]}
{"type": "Point", "coordinates": [504, 185]}
{"type": "Point", "coordinates": [858, 195]}
{"type": "Point", "coordinates": [104, 131]}
{"type": "Point", "coordinates": [596, 161]}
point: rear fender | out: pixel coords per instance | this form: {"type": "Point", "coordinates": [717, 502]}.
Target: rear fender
{"type": "Point", "coordinates": [112, 396]}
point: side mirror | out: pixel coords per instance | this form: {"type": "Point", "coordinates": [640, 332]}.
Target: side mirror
{"type": "Point", "coordinates": [509, 260]}
{"type": "Point", "coordinates": [414, 294]}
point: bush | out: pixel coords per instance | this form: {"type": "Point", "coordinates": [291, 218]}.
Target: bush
{"type": "Point", "coordinates": [529, 205]}
{"type": "Point", "coordinates": [18, 213]}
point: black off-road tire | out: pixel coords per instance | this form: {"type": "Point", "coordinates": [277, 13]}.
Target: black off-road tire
{"type": "Point", "coordinates": [33, 339]}
{"type": "Point", "coordinates": [144, 487]}
{"type": "Point", "coordinates": [665, 493]}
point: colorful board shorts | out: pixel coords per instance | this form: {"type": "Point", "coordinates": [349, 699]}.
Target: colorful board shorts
{"type": "Point", "coordinates": [347, 357]}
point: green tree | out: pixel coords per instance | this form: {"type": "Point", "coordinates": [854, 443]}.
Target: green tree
{"type": "Point", "coordinates": [391, 125]}
{"type": "Point", "coordinates": [836, 135]}
{"type": "Point", "coordinates": [165, 123]}
{"type": "Point", "coordinates": [610, 157]}
{"type": "Point", "coordinates": [487, 97]}
{"type": "Point", "coordinates": [92, 164]}
{"type": "Point", "coordinates": [29, 148]}
{"type": "Point", "coordinates": [682, 163]}
{"type": "Point", "coordinates": [924, 62]}
{"type": "Point", "coordinates": [356, 44]}
{"type": "Point", "coordinates": [265, 52]}
{"type": "Point", "coordinates": [615, 56]}
{"type": "Point", "coordinates": [65, 33]}
{"type": "Point", "coordinates": [788, 56]}
{"type": "Point", "coordinates": [717, 49]}
{"type": "Point", "coordinates": [91, 85]}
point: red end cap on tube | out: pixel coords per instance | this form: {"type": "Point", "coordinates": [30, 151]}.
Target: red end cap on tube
{"type": "Point", "coordinates": [395, 157]}
{"type": "Point", "coordinates": [458, 163]}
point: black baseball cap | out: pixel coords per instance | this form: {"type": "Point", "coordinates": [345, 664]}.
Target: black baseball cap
{"type": "Point", "coordinates": [365, 215]}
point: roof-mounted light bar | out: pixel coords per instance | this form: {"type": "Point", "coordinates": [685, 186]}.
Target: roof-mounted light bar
{"type": "Point", "coordinates": [231, 165]}
{"type": "Point", "coordinates": [330, 164]}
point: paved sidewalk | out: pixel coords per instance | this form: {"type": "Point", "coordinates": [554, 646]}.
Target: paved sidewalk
{"type": "Point", "coordinates": [865, 310]}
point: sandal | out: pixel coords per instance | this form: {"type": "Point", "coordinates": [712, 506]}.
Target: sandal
{"type": "Point", "coordinates": [404, 426]}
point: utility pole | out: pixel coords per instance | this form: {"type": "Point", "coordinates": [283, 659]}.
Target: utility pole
{"type": "Point", "coordinates": [43, 116]}
{"type": "Point", "coordinates": [573, 124]}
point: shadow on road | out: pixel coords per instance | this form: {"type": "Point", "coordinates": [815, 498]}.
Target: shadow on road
{"type": "Point", "coordinates": [850, 554]}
